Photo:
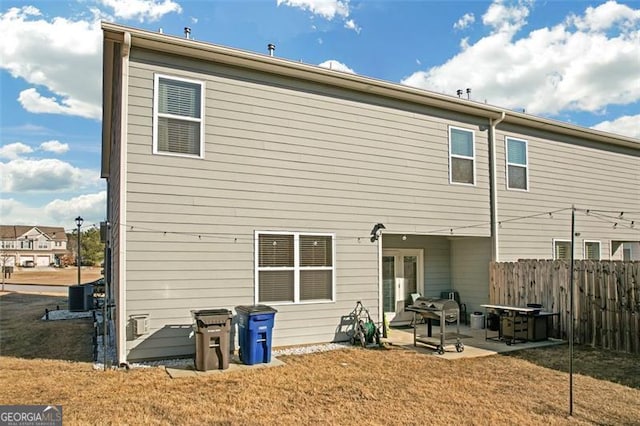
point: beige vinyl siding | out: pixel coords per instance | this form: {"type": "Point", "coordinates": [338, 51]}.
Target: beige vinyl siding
{"type": "Point", "coordinates": [470, 258]}
{"type": "Point", "coordinates": [451, 263]}
{"type": "Point", "coordinates": [436, 257]}
{"type": "Point", "coordinates": [280, 155]}
{"type": "Point", "coordinates": [562, 172]}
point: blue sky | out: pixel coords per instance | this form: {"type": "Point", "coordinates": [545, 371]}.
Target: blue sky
{"type": "Point", "coordinates": [575, 61]}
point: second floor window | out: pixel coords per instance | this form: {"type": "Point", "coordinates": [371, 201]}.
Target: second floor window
{"type": "Point", "coordinates": [462, 167]}
{"type": "Point", "coordinates": [178, 110]}
{"type": "Point", "coordinates": [517, 164]}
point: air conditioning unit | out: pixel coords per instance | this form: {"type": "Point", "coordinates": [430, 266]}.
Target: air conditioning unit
{"type": "Point", "coordinates": [140, 324]}
{"type": "Point", "coordinates": [81, 298]}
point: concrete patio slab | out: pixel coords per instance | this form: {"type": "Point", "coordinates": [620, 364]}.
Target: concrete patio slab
{"type": "Point", "coordinates": [188, 370]}
{"type": "Point", "coordinates": [474, 340]}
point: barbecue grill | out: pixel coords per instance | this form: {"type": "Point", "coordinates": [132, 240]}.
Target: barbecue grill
{"type": "Point", "coordinates": [446, 311]}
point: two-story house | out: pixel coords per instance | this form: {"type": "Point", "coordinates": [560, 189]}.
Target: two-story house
{"type": "Point", "coordinates": [237, 178]}
{"type": "Point", "coordinates": [32, 246]}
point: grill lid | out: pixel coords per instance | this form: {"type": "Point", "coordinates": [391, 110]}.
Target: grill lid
{"type": "Point", "coordinates": [433, 304]}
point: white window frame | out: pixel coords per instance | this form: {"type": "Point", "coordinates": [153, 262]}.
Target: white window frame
{"type": "Point", "coordinates": [553, 247]}
{"type": "Point", "coordinates": [526, 165]}
{"type": "Point", "coordinates": [473, 158]}
{"type": "Point", "coordinates": [8, 244]}
{"type": "Point", "coordinates": [296, 267]}
{"type": "Point", "coordinates": [584, 249]}
{"type": "Point", "coordinates": [156, 114]}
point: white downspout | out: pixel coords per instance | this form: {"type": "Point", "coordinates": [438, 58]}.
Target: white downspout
{"type": "Point", "coordinates": [380, 302]}
{"type": "Point", "coordinates": [124, 110]}
{"type": "Point", "coordinates": [493, 197]}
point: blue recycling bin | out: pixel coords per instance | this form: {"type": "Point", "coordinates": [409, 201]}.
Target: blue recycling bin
{"type": "Point", "coordinates": [255, 326]}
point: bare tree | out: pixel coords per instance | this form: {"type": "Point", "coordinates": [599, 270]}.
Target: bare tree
{"type": "Point", "coordinates": [5, 255]}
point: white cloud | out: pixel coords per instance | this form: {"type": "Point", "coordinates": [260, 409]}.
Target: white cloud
{"type": "Point", "coordinates": [506, 19]}
{"type": "Point", "coordinates": [351, 25]}
{"type": "Point", "coordinates": [54, 146]}
{"type": "Point", "coordinates": [605, 16]}
{"type": "Point", "coordinates": [142, 10]}
{"type": "Point", "coordinates": [59, 212]}
{"type": "Point", "coordinates": [92, 208]}
{"type": "Point", "coordinates": [628, 125]}
{"type": "Point", "coordinates": [549, 70]}
{"type": "Point", "coordinates": [328, 9]}
{"type": "Point", "coordinates": [63, 55]}
{"type": "Point", "coordinates": [14, 150]}
{"type": "Point", "coordinates": [332, 64]}
{"type": "Point", "coordinates": [28, 128]}
{"type": "Point", "coordinates": [464, 22]}
{"type": "Point", "coordinates": [46, 175]}
{"type": "Point", "coordinates": [33, 101]}
{"type": "Point", "coordinates": [16, 213]}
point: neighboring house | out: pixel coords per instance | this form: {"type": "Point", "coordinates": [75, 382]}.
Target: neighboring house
{"type": "Point", "coordinates": [237, 178]}
{"type": "Point", "coordinates": [32, 245]}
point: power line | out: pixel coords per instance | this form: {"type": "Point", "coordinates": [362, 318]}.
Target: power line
{"type": "Point", "coordinates": [618, 221]}
{"type": "Point", "coordinates": [616, 224]}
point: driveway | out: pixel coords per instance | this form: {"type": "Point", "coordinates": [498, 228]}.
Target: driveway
{"type": "Point", "coordinates": [38, 288]}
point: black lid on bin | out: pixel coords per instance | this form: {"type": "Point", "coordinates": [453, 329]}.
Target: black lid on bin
{"type": "Point", "coordinates": [255, 309]}
{"type": "Point", "coordinates": [203, 312]}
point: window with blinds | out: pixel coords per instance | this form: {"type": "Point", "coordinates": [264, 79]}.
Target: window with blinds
{"type": "Point", "coordinates": [294, 267]}
{"type": "Point", "coordinates": [517, 164]}
{"type": "Point", "coordinates": [461, 156]}
{"type": "Point", "coordinates": [561, 250]}
{"type": "Point", "coordinates": [592, 250]}
{"type": "Point", "coordinates": [178, 106]}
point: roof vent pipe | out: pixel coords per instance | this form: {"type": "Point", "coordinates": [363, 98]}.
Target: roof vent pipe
{"type": "Point", "coordinates": [187, 32]}
{"type": "Point", "coordinates": [271, 48]}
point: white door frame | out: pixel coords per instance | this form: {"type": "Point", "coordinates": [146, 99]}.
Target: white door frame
{"type": "Point", "coordinates": [400, 316]}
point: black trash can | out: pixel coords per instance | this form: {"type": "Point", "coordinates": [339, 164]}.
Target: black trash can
{"type": "Point", "coordinates": [7, 271]}
{"type": "Point", "coordinates": [255, 326]}
{"type": "Point", "coordinates": [212, 339]}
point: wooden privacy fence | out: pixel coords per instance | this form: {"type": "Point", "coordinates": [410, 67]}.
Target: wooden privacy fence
{"type": "Point", "coordinates": [606, 298]}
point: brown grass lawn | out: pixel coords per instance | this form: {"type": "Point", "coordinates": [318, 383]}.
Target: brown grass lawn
{"type": "Point", "coordinates": [24, 335]}
{"type": "Point", "coordinates": [344, 387]}
{"type": "Point", "coordinates": [54, 276]}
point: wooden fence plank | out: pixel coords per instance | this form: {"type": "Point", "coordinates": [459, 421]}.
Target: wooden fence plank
{"type": "Point", "coordinates": [606, 297]}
